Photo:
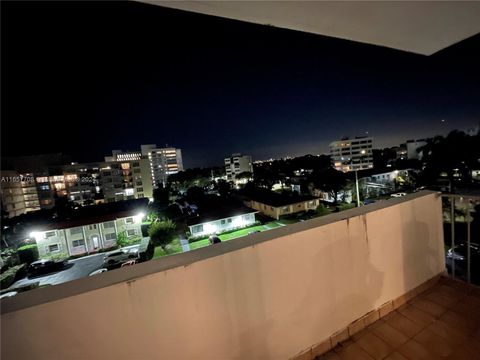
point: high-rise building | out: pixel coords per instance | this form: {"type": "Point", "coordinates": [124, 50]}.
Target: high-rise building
{"type": "Point", "coordinates": [19, 193]}
{"type": "Point", "coordinates": [352, 154]}
{"type": "Point", "coordinates": [162, 161]}
{"type": "Point", "coordinates": [237, 164]}
{"type": "Point", "coordinates": [123, 180]}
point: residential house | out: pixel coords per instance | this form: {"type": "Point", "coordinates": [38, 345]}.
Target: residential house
{"type": "Point", "coordinates": [275, 204]}
{"type": "Point", "coordinates": [221, 220]}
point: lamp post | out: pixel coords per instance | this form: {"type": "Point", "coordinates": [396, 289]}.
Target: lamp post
{"type": "Point", "coordinates": [356, 185]}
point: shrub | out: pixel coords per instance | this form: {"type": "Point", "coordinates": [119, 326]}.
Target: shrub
{"type": "Point", "coordinates": [322, 210]}
{"type": "Point", "coordinates": [28, 253]}
{"type": "Point", "coordinates": [56, 257]}
{"type": "Point", "coordinates": [8, 277]}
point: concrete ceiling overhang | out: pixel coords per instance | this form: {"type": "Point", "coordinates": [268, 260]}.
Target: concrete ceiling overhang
{"type": "Point", "coordinates": [422, 27]}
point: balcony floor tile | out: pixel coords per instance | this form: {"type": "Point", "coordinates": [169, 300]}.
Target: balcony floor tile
{"type": "Point", "coordinates": [440, 323]}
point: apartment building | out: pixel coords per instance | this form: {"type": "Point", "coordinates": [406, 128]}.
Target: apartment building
{"type": "Point", "coordinates": [18, 193]}
{"type": "Point", "coordinates": [123, 180]}
{"type": "Point", "coordinates": [352, 154]}
{"type": "Point", "coordinates": [162, 161]}
{"type": "Point", "coordinates": [237, 164]}
{"type": "Point", "coordinates": [92, 229]}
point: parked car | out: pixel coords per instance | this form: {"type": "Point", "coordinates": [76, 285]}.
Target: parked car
{"type": "Point", "coordinates": [99, 271]}
{"type": "Point", "coordinates": [399, 194]}
{"type": "Point", "coordinates": [45, 266]}
{"type": "Point", "coordinates": [117, 258]}
{"type": "Point", "coordinates": [253, 232]}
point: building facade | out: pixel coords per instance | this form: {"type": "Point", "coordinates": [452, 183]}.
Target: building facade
{"type": "Point", "coordinates": [352, 154]}
{"type": "Point", "coordinates": [413, 147]}
{"type": "Point", "coordinates": [19, 193]}
{"type": "Point", "coordinates": [237, 164]}
{"type": "Point", "coordinates": [219, 223]}
{"type": "Point", "coordinates": [124, 180]}
{"type": "Point", "coordinates": [162, 161]}
{"type": "Point", "coordinates": [87, 236]}
{"type": "Point", "coordinates": [276, 205]}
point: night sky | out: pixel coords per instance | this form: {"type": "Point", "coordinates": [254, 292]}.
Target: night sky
{"type": "Point", "coordinates": [86, 78]}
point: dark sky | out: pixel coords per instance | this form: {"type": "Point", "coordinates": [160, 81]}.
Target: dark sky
{"type": "Point", "coordinates": [85, 78]}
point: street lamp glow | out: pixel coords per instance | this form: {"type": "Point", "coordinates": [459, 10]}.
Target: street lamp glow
{"type": "Point", "coordinates": [35, 234]}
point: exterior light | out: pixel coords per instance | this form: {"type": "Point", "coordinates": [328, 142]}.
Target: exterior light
{"type": "Point", "coordinates": [35, 234]}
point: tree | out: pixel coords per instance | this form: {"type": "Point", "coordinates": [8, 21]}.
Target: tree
{"type": "Point", "coordinates": [330, 180]}
{"type": "Point", "coordinates": [195, 194]}
{"type": "Point", "coordinates": [244, 175]}
{"type": "Point", "coordinates": [162, 233]}
{"type": "Point", "coordinates": [223, 188]}
{"type": "Point", "coordinates": [161, 197]}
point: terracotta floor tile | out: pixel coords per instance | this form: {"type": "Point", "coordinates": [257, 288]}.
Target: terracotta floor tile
{"type": "Point", "coordinates": [463, 353]}
{"type": "Point", "coordinates": [469, 307]}
{"type": "Point", "coordinates": [450, 292]}
{"type": "Point", "coordinates": [403, 324]}
{"type": "Point", "coordinates": [353, 352]}
{"type": "Point", "coordinates": [331, 355]}
{"type": "Point", "coordinates": [415, 351]}
{"type": "Point", "coordinates": [442, 299]}
{"type": "Point", "coordinates": [451, 335]}
{"type": "Point", "coordinates": [390, 335]}
{"type": "Point", "coordinates": [360, 334]}
{"type": "Point", "coordinates": [416, 315]}
{"type": "Point", "coordinates": [396, 356]}
{"type": "Point", "coordinates": [434, 343]}
{"type": "Point", "coordinates": [461, 323]}
{"type": "Point", "coordinates": [374, 346]}
{"type": "Point", "coordinates": [429, 307]}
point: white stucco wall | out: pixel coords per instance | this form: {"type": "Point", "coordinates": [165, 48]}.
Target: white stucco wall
{"type": "Point", "coordinates": [267, 301]}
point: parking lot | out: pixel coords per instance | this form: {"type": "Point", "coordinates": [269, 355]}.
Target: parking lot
{"type": "Point", "coordinates": [75, 269]}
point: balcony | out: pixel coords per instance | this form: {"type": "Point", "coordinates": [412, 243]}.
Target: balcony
{"type": "Point", "coordinates": [292, 292]}
{"type": "Point", "coordinates": [439, 322]}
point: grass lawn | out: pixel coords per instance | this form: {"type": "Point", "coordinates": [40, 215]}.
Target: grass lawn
{"type": "Point", "coordinates": [175, 246]}
{"type": "Point", "coordinates": [237, 234]}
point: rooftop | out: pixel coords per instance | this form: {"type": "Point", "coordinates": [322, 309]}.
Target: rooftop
{"type": "Point", "coordinates": [220, 213]}
{"type": "Point", "coordinates": [277, 199]}
{"type": "Point", "coordinates": [92, 214]}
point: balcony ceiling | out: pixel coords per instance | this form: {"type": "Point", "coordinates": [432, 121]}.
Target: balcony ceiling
{"type": "Point", "coordinates": [421, 27]}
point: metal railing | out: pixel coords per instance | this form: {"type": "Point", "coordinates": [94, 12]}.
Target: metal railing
{"type": "Point", "coordinates": [458, 206]}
